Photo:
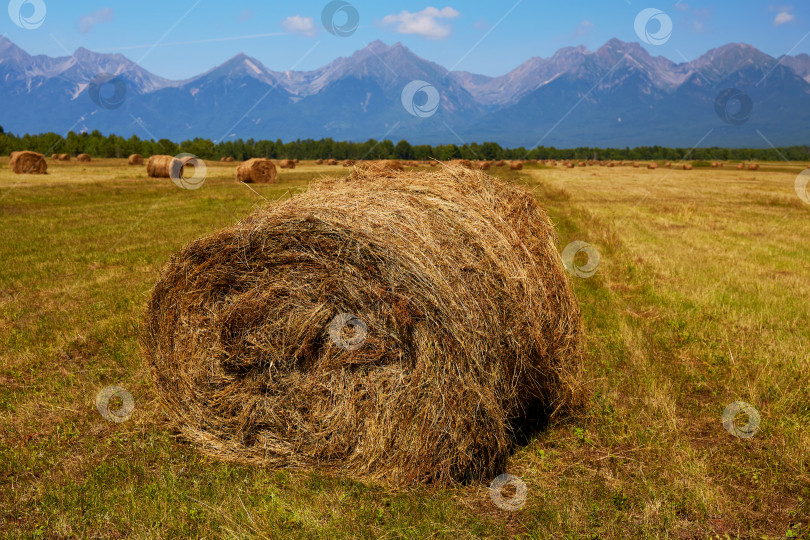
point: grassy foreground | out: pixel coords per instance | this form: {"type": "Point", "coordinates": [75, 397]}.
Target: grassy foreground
{"type": "Point", "coordinates": [700, 300]}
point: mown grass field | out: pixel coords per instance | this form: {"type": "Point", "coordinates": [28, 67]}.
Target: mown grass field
{"type": "Point", "coordinates": [700, 300]}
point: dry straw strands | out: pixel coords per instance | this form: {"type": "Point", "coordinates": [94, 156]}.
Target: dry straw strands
{"type": "Point", "coordinates": [135, 159]}
{"type": "Point", "coordinates": [466, 330]}
{"type": "Point", "coordinates": [258, 170]}
{"type": "Point", "coordinates": [83, 157]}
{"type": "Point", "coordinates": [27, 162]}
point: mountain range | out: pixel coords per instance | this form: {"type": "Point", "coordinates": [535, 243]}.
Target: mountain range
{"type": "Point", "coordinates": [616, 96]}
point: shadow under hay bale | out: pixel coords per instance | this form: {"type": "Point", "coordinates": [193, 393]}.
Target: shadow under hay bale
{"type": "Point", "coordinates": [256, 170]}
{"type": "Point", "coordinates": [27, 162]}
{"type": "Point", "coordinates": [404, 327]}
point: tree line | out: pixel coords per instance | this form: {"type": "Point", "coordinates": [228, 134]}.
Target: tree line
{"type": "Point", "coordinates": [110, 146]}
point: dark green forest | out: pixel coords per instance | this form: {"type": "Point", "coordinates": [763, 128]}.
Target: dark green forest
{"type": "Point", "coordinates": [107, 146]}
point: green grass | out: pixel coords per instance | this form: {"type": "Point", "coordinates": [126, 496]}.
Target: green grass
{"type": "Point", "coordinates": [700, 300]}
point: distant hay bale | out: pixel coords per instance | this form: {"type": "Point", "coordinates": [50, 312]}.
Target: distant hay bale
{"type": "Point", "coordinates": [753, 167]}
{"type": "Point", "coordinates": [348, 163]}
{"type": "Point", "coordinates": [482, 165]}
{"type": "Point", "coordinates": [382, 165]}
{"type": "Point", "coordinates": [318, 162]}
{"type": "Point", "coordinates": [652, 166]}
{"type": "Point", "coordinates": [135, 159]}
{"type": "Point", "coordinates": [740, 166]}
{"type": "Point", "coordinates": [64, 157]}
{"type": "Point", "coordinates": [295, 161]}
{"type": "Point", "coordinates": [636, 165]}
{"type": "Point", "coordinates": [286, 164]}
{"type": "Point", "coordinates": [159, 166]}
{"type": "Point", "coordinates": [256, 170]}
{"type": "Point", "coordinates": [687, 166]}
{"type": "Point", "coordinates": [320, 332]}
{"type": "Point", "coordinates": [85, 158]}
{"type": "Point", "coordinates": [27, 162]}
{"type": "Point", "coordinates": [54, 156]}
{"type": "Point", "coordinates": [570, 165]}
{"type": "Point", "coordinates": [500, 163]}
{"type": "Point", "coordinates": [516, 166]}
{"type": "Point", "coordinates": [331, 162]}
{"type": "Point", "coordinates": [461, 163]}
{"type": "Point", "coordinates": [668, 164]}
{"type": "Point", "coordinates": [226, 159]}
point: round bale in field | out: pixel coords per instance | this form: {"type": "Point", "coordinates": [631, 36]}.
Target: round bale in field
{"type": "Point", "coordinates": [321, 332]}
{"type": "Point", "coordinates": [159, 166]}
{"type": "Point", "coordinates": [135, 159]}
{"type": "Point", "coordinates": [256, 170]}
{"type": "Point", "coordinates": [64, 157]}
{"type": "Point", "coordinates": [286, 164]}
{"type": "Point", "coordinates": [516, 166]}
{"type": "Point", "coordinates": [687, 166]}
{"type": "Point", "coordinates": [27, 162]}
{"type": "Point", "coordinates": [83, 158]}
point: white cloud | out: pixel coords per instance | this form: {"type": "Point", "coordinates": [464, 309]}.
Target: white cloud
{"type": "Point", "coordinates": [297, 24]}
{"type": "Point", "coordinates": [584, 28]}
{"type": "Point", "coordinates": [100, 16]}
{"type": "Point", "coordinates": [424, 23]}
{"type": "Point", "coordinates": [783, 17]}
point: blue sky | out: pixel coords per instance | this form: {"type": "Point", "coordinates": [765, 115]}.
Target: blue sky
{"type": "Point", "coordinates": [483, 37]}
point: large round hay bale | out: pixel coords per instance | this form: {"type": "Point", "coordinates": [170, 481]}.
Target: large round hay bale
{"type": "Point", "coordinates": [331, 162]}
{"type": "Point", "coordinates": [348, 163]}
{"type": "Point", "coordinates": [27, 162]}
{"type": "Point", "coordinates": [319, 161]}
{"type": "Point", "coordinates": [753, 167]}
{"type": "Point", "coordinates": [84, 158]}
{"type": "Point", "coordinates": [405, 328]}
{"type": "Point", "coordinates": [135, 159]}
{"type": "Point", "coordinates": [687, 166]}
{"type": "Point", "coordinates": [482, 165]}
{"type": "Point", "coordinates": [516, 166]}
{"type": "Point", "coordinates": [159, 166]}
{"type": "Point", "coordinates": [55, 156]}
{"type": "Point", "coordinates": [257, 170]}
{"type": "Point", "coordinates": [652, 166]}
{"type": "Point", "coordinates": [64, 157]}
{"type": "Point", "coordinates": [286, 164]}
